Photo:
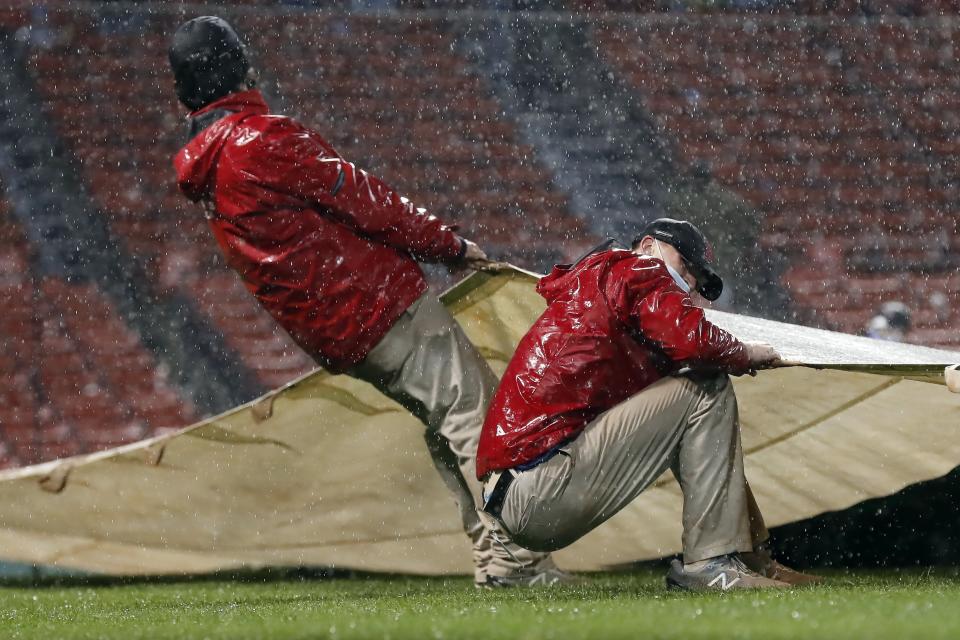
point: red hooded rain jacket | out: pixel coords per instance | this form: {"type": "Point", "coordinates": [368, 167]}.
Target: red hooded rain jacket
{"type": "Point", "coordinates": [329, 250]}
{"type": "Point", "coordinates": [615, 323]}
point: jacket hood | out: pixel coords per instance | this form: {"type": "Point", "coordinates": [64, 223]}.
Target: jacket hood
{"type": "Point", "coordinates": [210, 127]}
{"type": "Point", "coordinates": [562, 280]}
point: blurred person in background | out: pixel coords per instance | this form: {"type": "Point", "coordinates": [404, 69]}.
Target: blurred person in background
{"type": "Point", "coordinates": [891, 322]}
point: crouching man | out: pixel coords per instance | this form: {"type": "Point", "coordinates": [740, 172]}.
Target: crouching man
{"type": "Point", "coordinates": [593, 408]}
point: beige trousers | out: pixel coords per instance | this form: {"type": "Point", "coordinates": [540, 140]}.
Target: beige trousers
{"type": "Point", "coordinates": [688, 424]}
{"type": "Point", "coordinates": [427, 364]}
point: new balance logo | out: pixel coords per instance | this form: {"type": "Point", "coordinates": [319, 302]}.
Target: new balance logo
{"type": "Point", "coordinates": [542, 579]}
{"type": "Point", "coordinates": [722, 579]}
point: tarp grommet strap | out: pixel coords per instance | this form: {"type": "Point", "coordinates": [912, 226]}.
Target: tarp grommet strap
{"type": "Point", "coordinates": [56, 480]}
{"type": "Point", "coordinates": [154, 454]}
{"type": "Point", "coordinates": [263, 409]}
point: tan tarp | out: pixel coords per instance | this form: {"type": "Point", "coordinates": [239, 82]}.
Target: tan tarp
{"type": "Point", "coordinates": [326, 471]}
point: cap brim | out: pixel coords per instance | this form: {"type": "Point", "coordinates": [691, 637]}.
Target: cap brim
{"type": "Point", "coordinates": [709, 283]}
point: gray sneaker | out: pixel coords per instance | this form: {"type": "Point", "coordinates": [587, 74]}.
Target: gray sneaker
{"type": "Point", "coordinates": [552, 577]}
{"type": "Point", "coordinates": [723, 573]}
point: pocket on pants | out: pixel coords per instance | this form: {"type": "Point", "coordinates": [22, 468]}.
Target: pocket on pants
{"type": "Point", "coordinates": [534, 511]}
{"type": "Point", "coordinates": [564, 472]}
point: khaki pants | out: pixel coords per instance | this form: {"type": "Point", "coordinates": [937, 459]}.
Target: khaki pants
{"type": "Point", "coordinates": [687, 424]}
{"type": "Point", "coordinates": [427, 364]}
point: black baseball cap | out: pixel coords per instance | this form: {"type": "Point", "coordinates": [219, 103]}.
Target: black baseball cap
{"type": "Point", "coordinates": [690, 242]}
{"type": "Point", "coordinates": [208, 60]}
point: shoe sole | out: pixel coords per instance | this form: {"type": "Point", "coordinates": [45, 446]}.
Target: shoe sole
{"type": "Point", "coordinates": [673, 585]}
{"type": "Point", "coordinates": [529, 583]}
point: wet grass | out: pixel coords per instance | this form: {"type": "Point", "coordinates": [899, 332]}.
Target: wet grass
{"type": "Point", "coordinates": [635, 605]}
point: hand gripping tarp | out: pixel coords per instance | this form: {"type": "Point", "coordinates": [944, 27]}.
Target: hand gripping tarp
{"type": "Point", "coordinates": [326, 471]}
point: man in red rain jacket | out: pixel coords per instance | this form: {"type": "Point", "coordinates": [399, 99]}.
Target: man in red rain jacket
{"type": "Point", "coordinates": [331, 252]}
{"type": "Point", "coordinates": [621, 378]}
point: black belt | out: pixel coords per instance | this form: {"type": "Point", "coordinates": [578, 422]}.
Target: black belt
{"type": "Point", "coordinates": [494, 502]}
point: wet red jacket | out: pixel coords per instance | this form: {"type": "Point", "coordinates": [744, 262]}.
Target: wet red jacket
{"type": "Point", "coordinates": [329, 250]}
{"type": "Point", "coordinates": [615, 323]}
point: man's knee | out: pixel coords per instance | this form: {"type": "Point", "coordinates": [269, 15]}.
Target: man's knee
{"type": "Point", "coordinates": [716, 411]}
{"type": "Point", "coordinates": [538, 543]}
{"type": "Point", "coordinates": [537, 523]}
{"type": "Point", "coordinates": [711, 382]}
{"type": "Point", "coordinates": [543, 538]}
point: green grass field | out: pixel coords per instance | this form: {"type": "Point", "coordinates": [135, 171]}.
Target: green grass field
{"type": "Point", "coordinates": [636, 605]}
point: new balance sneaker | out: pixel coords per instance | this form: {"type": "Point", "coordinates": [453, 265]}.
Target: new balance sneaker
{"type": "Point", "coordinates": [763, 563]}
{"type": "Point", "coordinates": [723, 573]}
{"type": "Point", "coordinates": [551, 577]}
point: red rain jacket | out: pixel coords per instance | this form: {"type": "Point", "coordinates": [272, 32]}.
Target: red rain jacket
{"type": "Point", "coordinates": [329, 250]}
{"type": "Point", "coordinates": [615, 323]}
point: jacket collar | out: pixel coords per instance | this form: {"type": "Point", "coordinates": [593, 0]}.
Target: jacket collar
{"type": "Point", "coordinates": [249, 101]}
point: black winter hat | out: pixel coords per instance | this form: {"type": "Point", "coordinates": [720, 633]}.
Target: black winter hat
{"type": "Point", "coordinates": [208, 61]}
{"type": "Point", "coordinates": [687, 239]}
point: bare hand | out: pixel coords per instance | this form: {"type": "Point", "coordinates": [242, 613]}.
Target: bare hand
{"type": "Point", "coordinates": [761, 355]}
{"type": "Point", "coordinates": [473, 253]}
{"type": "Point", "coordinates": [475, 258]}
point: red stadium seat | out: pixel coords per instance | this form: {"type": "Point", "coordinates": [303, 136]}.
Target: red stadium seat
{"type": "Point", "coordinates": [804, 119]}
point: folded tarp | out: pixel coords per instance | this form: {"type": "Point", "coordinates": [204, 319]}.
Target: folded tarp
{"type": "Point", "coordinates": [327, 471]}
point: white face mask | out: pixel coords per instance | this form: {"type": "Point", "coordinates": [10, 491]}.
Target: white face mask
{"type": "Point", "coordinates": [673, 272]}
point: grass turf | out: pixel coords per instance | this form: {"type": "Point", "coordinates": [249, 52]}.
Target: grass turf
{"type": "Point", "coordinates": [635, 605]}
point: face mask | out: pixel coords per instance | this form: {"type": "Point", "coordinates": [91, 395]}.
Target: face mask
{"type": "Point", "coordinates": [673, 272]}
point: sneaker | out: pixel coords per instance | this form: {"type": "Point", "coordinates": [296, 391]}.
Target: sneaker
{"type": "Point", "coordinates": [723, 573]}
{"type": "Point", "coordinates": [552, 577]}
{"type": "Point", "coordinates": [763, 563]}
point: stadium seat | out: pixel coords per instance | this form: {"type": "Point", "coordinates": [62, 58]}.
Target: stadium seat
{"type": "Point", "coordinates": [74, 378]}
{"type": "Point", "coordinates": [826, 127]}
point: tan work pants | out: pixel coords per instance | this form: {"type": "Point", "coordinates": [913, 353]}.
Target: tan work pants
{"type": "Point", "coordinates": [688, 424]}
{"type": "Point", "coordinates": [428, 365]}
